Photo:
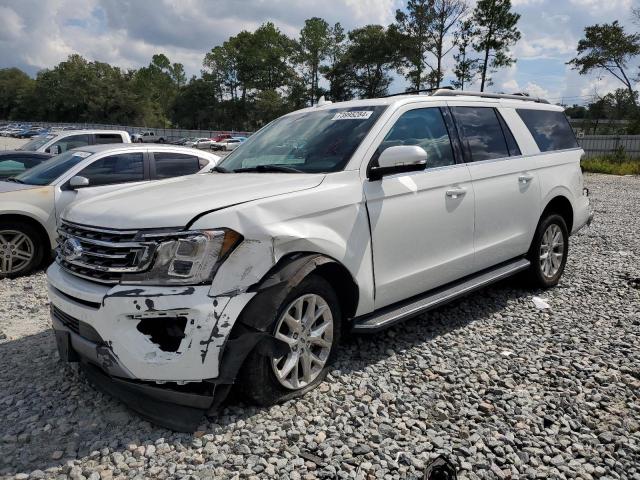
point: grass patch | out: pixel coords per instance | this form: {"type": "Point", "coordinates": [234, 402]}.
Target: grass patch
{"type": "Point", "coordinates": [611, 165]}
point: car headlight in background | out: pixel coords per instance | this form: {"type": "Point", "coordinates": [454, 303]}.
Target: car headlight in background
{"type": "Point", "coordinates": [191, 258]}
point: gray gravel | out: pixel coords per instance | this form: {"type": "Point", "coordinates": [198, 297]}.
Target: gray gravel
{"type": "Point", "coordinates": [505, 389]}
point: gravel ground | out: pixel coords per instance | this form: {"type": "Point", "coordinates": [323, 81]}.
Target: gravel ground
{"type": "Point", "coordinates": [9, 143]}
{"type": "Point", "coordinates": [505, 389]}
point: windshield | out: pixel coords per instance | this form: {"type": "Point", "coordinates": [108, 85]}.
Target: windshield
{"type": "Point", "coordinates": [50, 170]}
{"type": "Point", "coordinates": [36, 143]}
{"type": "Point", "coordinates": [309, 142]}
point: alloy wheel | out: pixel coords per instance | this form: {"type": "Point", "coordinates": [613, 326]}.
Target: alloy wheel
{"type": "Point", "coordinates": [307, 326]}
{"type": "Point", "coordinates": [551, 251]}
{"type": "Point", "coordinates": [16, 251]}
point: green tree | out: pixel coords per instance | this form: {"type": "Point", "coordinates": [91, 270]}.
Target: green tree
{"type": "Point", "coordinates": [414, 39]}
{"type": "Point", "coordinates": [466, 68]}
{"type": "Point", "coordinates": [15, 87]}
{"type": "Point", "coordinates": [370, 57]}
{"type": "Point", "coordinates": [337, 71]}
{"type": "Point", "coordinates": [446, 15]}
{"type": "Point", "coordinates": [315, 45]}
{"type": "Point", "coordinates": [496, 31]}
{"type": "Point", "coordinates": [607, 48]}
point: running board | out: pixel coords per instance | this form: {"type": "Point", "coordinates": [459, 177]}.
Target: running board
{"type": "Point", "coordinates": [385, 317]}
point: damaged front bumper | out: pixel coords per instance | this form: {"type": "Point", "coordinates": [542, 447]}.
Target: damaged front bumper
{"type": "Point", "coordinates": [163, 351]}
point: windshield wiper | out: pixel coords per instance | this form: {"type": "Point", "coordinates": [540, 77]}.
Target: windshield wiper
{"type": "Point", "coordinates": [13, 179]}
{"type": "Point", "coordinates": [268, 168]}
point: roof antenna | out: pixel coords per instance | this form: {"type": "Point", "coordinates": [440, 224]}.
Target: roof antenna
{"type": "Point", "coordinates": [322, 101]}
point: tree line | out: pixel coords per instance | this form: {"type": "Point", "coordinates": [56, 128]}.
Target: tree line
{"type": "Point", "coordinates": [258, 75]}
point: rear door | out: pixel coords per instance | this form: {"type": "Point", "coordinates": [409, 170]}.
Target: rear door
{"type": "Point", "coordinates": [505, 183]}
{"type": "Point", "coordinates": [421, 222]}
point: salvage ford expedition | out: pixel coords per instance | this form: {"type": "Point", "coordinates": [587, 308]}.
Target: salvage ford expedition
{"type": "Point", "coordinates": [348, 216]}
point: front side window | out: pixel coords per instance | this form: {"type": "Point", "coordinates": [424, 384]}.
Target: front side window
{"type": "Point", "coordinates": [550, 129]}
{"type": "Point", "coordinates": [424, 127]}
{"type": "Point", "coordinates": [481, 132]}
{"type": "Point", "coordinates": [175, 164]}
{"type": "Point", "coordinates": [50, 170]}
{"type": "Point", "coordinates": [121, 168]}
{"type": "Point", "coordinates": [72, 141]}
{"type": "Point", "coordinates": [313, 141]}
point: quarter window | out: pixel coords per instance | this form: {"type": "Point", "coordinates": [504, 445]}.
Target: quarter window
{"type": "Point", "coordinates": [103, 138]}
{"type": "Point", "coordinates": [550, 130]}
{"type": "Point", "coordinates": [175, 164]}
{"type": "Point", "coordinates": [121, 168]}
{"type": "Point", "coordinates": [481, 132]}
{"type": "Point", "coordinates": [424, 127]}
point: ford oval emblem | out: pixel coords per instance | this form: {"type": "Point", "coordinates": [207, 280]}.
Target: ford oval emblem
{"type": "Point", "coordinates": [71, 250]}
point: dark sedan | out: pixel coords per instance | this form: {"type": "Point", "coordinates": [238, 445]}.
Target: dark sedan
{"type": "Point", "coordinates": [13, 162]}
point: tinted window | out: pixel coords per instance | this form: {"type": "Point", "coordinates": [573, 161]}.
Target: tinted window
{"type": "Point", "coordinates": [121, 168]}
{"type": "Point", "coordinates": [36, 143]}
{"type": "Point", "coordinates": [102, 138]}
{"type": "Point", "coordinates": [73, 141]}
{"type": "Point", "coordinates": [550, 130]}
{"type": "Point", "coordinates": [10, 166]}
{"type": "Point", "coordinates": [175, 164]}
{"type": "Point", "coordinates": [512, 145]}
{"type": "Point", "coordinates": [481, 132]}
{"type": "Point", "coordinates": [424, 127]}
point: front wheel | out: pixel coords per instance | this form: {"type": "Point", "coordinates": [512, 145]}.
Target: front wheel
{"type": "Point", "coordinates": [309, 321]}
{"type": "Point", "coordinates": [548, 253]}
{"type": "Point", "coordinates": [21, 249]}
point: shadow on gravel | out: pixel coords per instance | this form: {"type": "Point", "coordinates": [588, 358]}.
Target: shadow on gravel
{"type": "Point", "coordinates": [49, 413]}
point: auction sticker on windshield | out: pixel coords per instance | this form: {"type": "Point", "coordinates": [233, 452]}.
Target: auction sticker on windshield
{"type": "Point", "coordinates": [357, 115]}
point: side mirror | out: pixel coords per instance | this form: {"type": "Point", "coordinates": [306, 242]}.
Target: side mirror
{"type": "Point", "coordinates": [55, 149]}
{"type": "Point", "coordinates": [78, 182]}
{"type": "Point", "coordinates": [399, 159]}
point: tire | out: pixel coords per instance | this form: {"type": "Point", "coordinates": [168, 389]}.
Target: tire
{"type": "Point", "coordinates": [19, 238]}
{"type": "Point", "coordinates": [161, 140]}
{"type": "Point", "coordinates": [140, 140]}
{"type": "Point", "coordinates": [547, 266]}
{"type": "Point", "coordinates": [257, 378]}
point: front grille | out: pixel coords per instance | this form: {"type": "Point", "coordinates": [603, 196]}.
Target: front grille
{"type": "Point", "coordinates": [103, 255]}
{"type": "Point", "coordinates": [67, 320]}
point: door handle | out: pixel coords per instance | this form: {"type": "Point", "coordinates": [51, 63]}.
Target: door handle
{"type": "Point", "coordinates": [456, 192]}
{"type": "Point", "coordinates": [525, 178]}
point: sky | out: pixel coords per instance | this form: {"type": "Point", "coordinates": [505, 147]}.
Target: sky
{"type": "Point", "coordinates": [38, 34]}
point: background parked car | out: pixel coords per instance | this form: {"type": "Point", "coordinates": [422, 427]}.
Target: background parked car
{"type": "Point", "coordinates": [148, 137]}
{"type": "Point", "coordinates": [31, 202]}
{"type": "Point", "coordinates": [13, 162]}
{"type": "Point", "coordinates": [227, 144]}
{"type": "Point", "coordinates": [68, 139]}
{"type": "Point", "coordinates": [201, 143]}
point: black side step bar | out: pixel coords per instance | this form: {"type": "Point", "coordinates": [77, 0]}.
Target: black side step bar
{"type": "Point", "coordinates": [391, 315]}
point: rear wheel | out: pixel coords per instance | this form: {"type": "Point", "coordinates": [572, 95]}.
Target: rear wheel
{"type": "Point", "coordinates": [309, 322]}
{"type": "Point", "coordinates": [21, 249]}
{"type": "Point", "coordinates": [548, 253]}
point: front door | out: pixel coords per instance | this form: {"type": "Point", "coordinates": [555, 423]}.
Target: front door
{"type": "Point", "coordinates": [421, 222]}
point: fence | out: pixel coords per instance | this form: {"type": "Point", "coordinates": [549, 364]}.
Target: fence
{"type": "Point", "coordinates": [595, 145]}
{"type": "Point", "coordinates": [167, 133]}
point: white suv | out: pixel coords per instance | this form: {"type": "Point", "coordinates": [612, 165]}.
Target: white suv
{"type": "Point", "coordinates": [61, 141]}
{"type": "Point", "coordinates": [343, 216]}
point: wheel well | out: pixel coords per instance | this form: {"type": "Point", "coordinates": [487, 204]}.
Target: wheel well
{"type": "Point", "coordinates": [30, 221]}
{"type": "Point", "coordinates": [562, 206]}
{"type": "Point", "coordinates": [345, 287]}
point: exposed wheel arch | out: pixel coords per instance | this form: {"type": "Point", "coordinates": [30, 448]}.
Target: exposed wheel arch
{"type": "Point", "coordinates": [15, 217]}
{"type": "Point", "coordinates": [562, 206]}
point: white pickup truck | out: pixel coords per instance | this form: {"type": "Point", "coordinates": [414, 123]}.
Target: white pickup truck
{"type": "Point", "coordinates": [148, 137]}
{"type": "Point", "coordinates": [354, 215]}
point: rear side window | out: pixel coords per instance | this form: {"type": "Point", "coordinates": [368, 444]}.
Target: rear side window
{"type": "Point", "coordinates": [550, 130]}
{"type": "Point", "coordinates": [121, 168]}
{"type": "Point", "coordinates": [481, 132]}
{"type": "Point", "coordinates": [103, 138]}
{"type": "Point", "coordinates": [175, 164]}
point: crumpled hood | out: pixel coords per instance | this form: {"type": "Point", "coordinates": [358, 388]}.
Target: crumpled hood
{"type": "Point", "coordinates": [6, 187]}
{"type": "Point", "coordinates": [175, 202]}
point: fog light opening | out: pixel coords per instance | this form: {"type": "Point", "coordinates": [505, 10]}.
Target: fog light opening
{"type": "Point", "coordinates": [166, 332]}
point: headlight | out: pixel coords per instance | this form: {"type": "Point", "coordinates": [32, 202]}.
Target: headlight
{"type": "Point", "coordinates": [191, 258]}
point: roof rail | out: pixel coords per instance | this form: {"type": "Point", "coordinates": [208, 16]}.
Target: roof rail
{"type": "Point", "coordinates": [461, 93]}
{"type": "Point", "coordinates": [416, 92]}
